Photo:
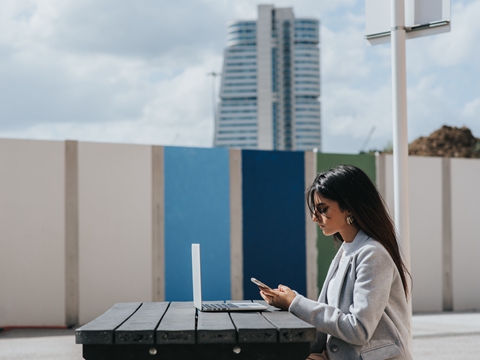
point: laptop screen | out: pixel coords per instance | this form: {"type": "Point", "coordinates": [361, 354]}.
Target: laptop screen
{"type": "Point", "coordinates": [196, 276]}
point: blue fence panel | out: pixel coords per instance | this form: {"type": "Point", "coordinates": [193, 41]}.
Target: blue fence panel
{"type": "Point", "coordinates": [197, 210]}
{"type": "Point", "coordinates": [273, 189]}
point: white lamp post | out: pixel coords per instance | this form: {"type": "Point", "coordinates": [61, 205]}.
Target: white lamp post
{"type": "Point", "coordinates": [401, 20]}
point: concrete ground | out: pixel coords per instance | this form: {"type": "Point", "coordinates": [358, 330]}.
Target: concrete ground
{"type": "Point", "coordinates": [39, 344]}
{"type": "Point", "coordinates": [437, 336]}
{"type": "Point", "coordinates": [446, 336]}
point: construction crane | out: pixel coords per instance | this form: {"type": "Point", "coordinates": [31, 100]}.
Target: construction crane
{"type": "Point", "coordinates": [365, 143]}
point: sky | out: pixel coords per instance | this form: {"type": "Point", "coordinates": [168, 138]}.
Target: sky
{"type": "Point", "coordinates": [136, 71]}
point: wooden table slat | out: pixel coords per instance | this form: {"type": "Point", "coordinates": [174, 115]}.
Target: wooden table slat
{"type": "Point", "coordinates": [140, 327]}
{"type": "Point", "coordinates": [252, 326]}
{"type": "Point", "coordinates": [215, 327]}
{"type": "Point", "coordinates": [101, 330]}
{"type": "Point", "coordinates": [178, 325]}
{"type": "Point", "coordinates": [290, 328]}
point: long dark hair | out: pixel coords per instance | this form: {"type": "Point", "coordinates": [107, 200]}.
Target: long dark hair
{"type": "Point", "coordinates": [353, 190]}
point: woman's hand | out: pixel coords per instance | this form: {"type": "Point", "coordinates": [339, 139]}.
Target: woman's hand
{"type": "Point", "coordinates": [280, 298]}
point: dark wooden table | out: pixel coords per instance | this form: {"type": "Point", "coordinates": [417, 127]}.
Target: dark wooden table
{"type": "Point", "coordinates": [175, 330]}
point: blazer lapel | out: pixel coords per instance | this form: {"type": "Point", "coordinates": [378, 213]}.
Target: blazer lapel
{"type": "Point", "coordinates": [345, 263]}
{"type": "Point", "coordinates": [340, 274]}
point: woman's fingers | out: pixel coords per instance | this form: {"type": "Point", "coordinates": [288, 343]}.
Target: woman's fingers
{"type": "Point", "coordinates": [269, 298]}
{"type": "Point", "coordinates": [269, 292]}
{"type": "Point", "coordinates": [265, 296]}
{"type": "Point", "coordinates": [281, 297]}
{"type": "Point", "coordinates": [283, 288]}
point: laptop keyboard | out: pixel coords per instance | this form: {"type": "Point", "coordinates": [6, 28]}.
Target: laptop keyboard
{"type": "Point", "coordinates": [219, 306]}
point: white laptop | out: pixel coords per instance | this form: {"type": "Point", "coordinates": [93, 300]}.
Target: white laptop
{"type": "Point", "coordinates": [197, 291]}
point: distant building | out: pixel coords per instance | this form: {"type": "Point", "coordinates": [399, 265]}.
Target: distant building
{"type": "Point", "coordinates": [270, 85]}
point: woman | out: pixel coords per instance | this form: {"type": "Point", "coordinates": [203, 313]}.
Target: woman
{"type": "Point", "coordinates": [362, 311]}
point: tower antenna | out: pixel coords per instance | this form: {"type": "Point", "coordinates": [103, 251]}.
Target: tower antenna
{"type": "Point", "coordinates": [214, 75]}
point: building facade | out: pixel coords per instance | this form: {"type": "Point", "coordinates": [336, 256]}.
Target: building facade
{"type": "Point", "coordinates": [270, 88]}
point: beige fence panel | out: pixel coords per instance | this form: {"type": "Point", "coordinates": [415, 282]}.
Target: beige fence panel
{"type": "Point", "coordinates": [115, 226]}
{"type": "Point", "coordinates": [32, 233]}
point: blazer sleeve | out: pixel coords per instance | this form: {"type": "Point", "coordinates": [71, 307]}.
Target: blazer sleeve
{"type": "Point", "coordinates": [374, 273]}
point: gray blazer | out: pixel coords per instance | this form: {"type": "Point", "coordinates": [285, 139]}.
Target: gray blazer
{"type": "Point", "coordinates": [368, 317]}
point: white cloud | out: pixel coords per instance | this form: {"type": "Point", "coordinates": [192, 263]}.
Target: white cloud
{"type": "Point", "coordinates": [247, 9]}
{"type": "Point", "coordinates": [459, 46]}
{"type": "Point", "coordinates": [452, 49]}
{"type": "Point", "coordinates": [176, 109]}
{"type": "Point", "coordinates": [343, 56]}
{"type": "Point", "coordinates": [53, 72]}
{"type": "Point", "coordinates": [443, 75]}
{"type": "Point", "coordinates": [471, 109]}
{"type": "Point", "coordinates": [136, 72]}
{"type": "Point", "coordinates": [352, 114]}
{"type": "Point", "coordinates": [428, 107]}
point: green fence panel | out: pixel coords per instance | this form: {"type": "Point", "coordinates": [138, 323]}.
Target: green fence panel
{"type": "Point", "coordinates": [325, 244]}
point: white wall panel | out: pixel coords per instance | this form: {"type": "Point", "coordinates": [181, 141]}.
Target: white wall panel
{"type": "Point", "coordinates": [425, 176]}
{"type": "Point", "coordinates": [465, 233]}
{"type": "Point", "coordinates": [115, 226]}
{"type": "Point", "coordinates": [32, 233]}
{"type": "Point", "coordinates": [425, 203]}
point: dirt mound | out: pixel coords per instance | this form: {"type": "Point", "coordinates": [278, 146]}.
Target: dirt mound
{"type": "Point", "coordinates": [447, 141]}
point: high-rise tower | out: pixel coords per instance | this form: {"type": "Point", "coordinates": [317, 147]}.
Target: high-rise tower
{"type": "Point", "coordinates": [270, 85]}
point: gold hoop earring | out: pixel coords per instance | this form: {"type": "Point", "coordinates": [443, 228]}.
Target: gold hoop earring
{"type": "Point", "coordinates": [350, 220]}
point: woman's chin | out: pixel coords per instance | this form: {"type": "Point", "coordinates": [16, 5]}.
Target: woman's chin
{"type": "Point", "coordinates": [326, 232]}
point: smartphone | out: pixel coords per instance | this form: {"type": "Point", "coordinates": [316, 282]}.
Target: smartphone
{"type": "Point", "coordinates": [260, 284]}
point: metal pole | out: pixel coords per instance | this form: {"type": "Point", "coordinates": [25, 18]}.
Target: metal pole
{"type": "Point", "coordinates": [214, 100]}
{"type": "Point", "coordinates": [400, 136]}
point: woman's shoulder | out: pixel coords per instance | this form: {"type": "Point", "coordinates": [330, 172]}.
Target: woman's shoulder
{"type": "Point", "coordinates": [365, 243]}
{"type": "Point", "coordinates": [374, 245]}
{"type": "Point", "coordinates": [372, 248]}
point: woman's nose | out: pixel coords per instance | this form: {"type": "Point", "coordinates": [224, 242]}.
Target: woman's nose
{"type": "Point", "coordinates": [317, 219]}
